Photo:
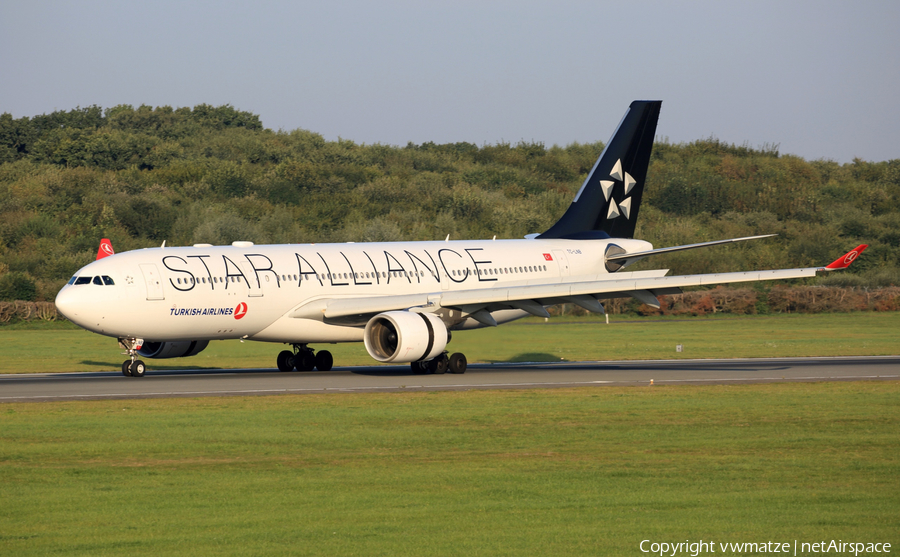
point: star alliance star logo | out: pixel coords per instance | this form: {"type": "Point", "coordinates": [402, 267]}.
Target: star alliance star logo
{"type": "Point", "coordinates": [624, 207]}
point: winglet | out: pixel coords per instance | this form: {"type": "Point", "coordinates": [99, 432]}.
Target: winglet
{"type": "Point", "coordinates": [106, 249]}
{"type": "Point", "coordinates": [844, 261]}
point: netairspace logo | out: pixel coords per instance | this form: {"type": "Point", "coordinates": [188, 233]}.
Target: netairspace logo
{"type": "Point", "coordinates": [687, 547]}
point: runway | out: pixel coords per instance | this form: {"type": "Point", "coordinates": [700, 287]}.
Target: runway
{"type": "Point", "coordinates": [245, 382]}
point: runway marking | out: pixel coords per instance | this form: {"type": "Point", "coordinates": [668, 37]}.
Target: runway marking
{"type": "Point", "coordinates": [785, 378]}
{"type": "Point", "coordinates": [316, 390]}
{"type": "Point", "coordinates": [41, 387]}
{"type": "Point", "coordinates": [433, 387]}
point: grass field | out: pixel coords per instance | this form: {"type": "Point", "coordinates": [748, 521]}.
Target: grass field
{"type": "Point", "coordinates": [589, 471]}
{"type": "Point", "coordinates": [64, 347]}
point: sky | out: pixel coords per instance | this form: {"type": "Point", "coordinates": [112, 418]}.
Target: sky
{"type": "Point", "coordinates": [821, 79]}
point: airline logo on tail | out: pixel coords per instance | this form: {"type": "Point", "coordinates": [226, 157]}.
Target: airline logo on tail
{"type": "Point", "coordinates": [106, 249]}
{"type": "Point", "coordinates": [846, 260]}
{"type": "Point", "coordinates": [624, 206]}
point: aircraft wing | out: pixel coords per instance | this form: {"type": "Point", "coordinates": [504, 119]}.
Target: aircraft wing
{"type": "Point", "coordinates": [479, 302]}
{"type": "Point", "coordinates": [532, 298]}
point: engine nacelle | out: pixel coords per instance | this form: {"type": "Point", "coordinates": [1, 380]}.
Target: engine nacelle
{"type": "Point", "coordinates": [405, 336]}
{"type": "Point", "coordinates": [178, 349]}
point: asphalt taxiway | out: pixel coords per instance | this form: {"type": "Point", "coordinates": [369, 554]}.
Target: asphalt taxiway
{"type": "Point", "coordinates": [245, 382]}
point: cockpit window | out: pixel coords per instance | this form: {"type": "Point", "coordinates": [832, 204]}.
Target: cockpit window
{"type": "Point", "coordinates": [101, 280]}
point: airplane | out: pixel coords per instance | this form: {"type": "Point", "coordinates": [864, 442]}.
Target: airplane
{"type": "Point", "coordinates": [403, 300]}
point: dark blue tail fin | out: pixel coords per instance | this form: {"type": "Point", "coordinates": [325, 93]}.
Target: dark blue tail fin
{"type": "Point", "coordinates": [607, 204]}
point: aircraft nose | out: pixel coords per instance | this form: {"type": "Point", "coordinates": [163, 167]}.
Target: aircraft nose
{"type": "Point", "coordinates": [70, 304]}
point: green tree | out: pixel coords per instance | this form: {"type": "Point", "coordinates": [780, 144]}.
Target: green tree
{"type": "Point", "coordinates": [17, 286]}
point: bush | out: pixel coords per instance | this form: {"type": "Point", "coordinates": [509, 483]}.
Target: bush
{"type": "Point", "coordinates": [28, 311]}
{"type": "Point", "coordinates": [17, 286]}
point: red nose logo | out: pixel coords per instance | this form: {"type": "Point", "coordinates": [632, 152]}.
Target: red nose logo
{"type": "Point", "coordinates": [240, 310]}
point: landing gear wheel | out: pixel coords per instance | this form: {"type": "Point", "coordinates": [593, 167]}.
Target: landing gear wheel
{"type": "Point", "coordinates": [438, 365]}
{"type": "Point", "coordinates": [417, 368]}
{"type": "Point", "coordinates": [137, 368]}
{"type": "Point", "coordinates": [305, 361]}
{"type": "Point", "coordinates": [457, 363]}
{"type": "Point", "coordinates": [324, 360]}
{"type": "Point", "coordinates": [126, 368]}
{"type": "Point", "coordinates": [285, 360]}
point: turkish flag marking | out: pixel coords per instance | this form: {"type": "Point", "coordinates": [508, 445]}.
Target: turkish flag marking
{"type": "Point", "coordinates": [548, 257]}
{"type": "Point", "coordinates": [240, 310]}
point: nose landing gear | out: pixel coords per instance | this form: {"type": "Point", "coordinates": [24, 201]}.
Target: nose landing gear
{"type": "Point", "coordinates": [132, 367]}
{"type": "Point", "coordinates": [304, 358]}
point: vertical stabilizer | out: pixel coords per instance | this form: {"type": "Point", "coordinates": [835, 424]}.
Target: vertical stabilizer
{"type": "Point", "coordinates": [105, 249]}
{"type": "Point", "coordinates": [607, 204]}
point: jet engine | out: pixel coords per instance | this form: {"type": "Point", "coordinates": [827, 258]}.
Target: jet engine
{"type": "Point", "coordinates": [172, 349]}
{"type": "Point", "coordinates": [405, 336]}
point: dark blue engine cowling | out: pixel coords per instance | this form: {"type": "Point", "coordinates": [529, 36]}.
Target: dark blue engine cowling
{"type": "Point", "coordinates": [180, 349]}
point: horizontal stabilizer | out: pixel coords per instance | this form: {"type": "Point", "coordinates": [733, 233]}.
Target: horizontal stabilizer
{"type": "Point", "coordinates": [615, 261]}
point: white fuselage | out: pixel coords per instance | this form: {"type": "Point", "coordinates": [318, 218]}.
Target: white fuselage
{"type": "Point", "coordinates": [250, 291]}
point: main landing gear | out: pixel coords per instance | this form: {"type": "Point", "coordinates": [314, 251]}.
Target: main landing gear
{"type": "Point", "coordinates": [303, 358]}
{"type": "Point", "coordinates": [132, 367]}
{"type": "Point", "coordinates": [455, 363]}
